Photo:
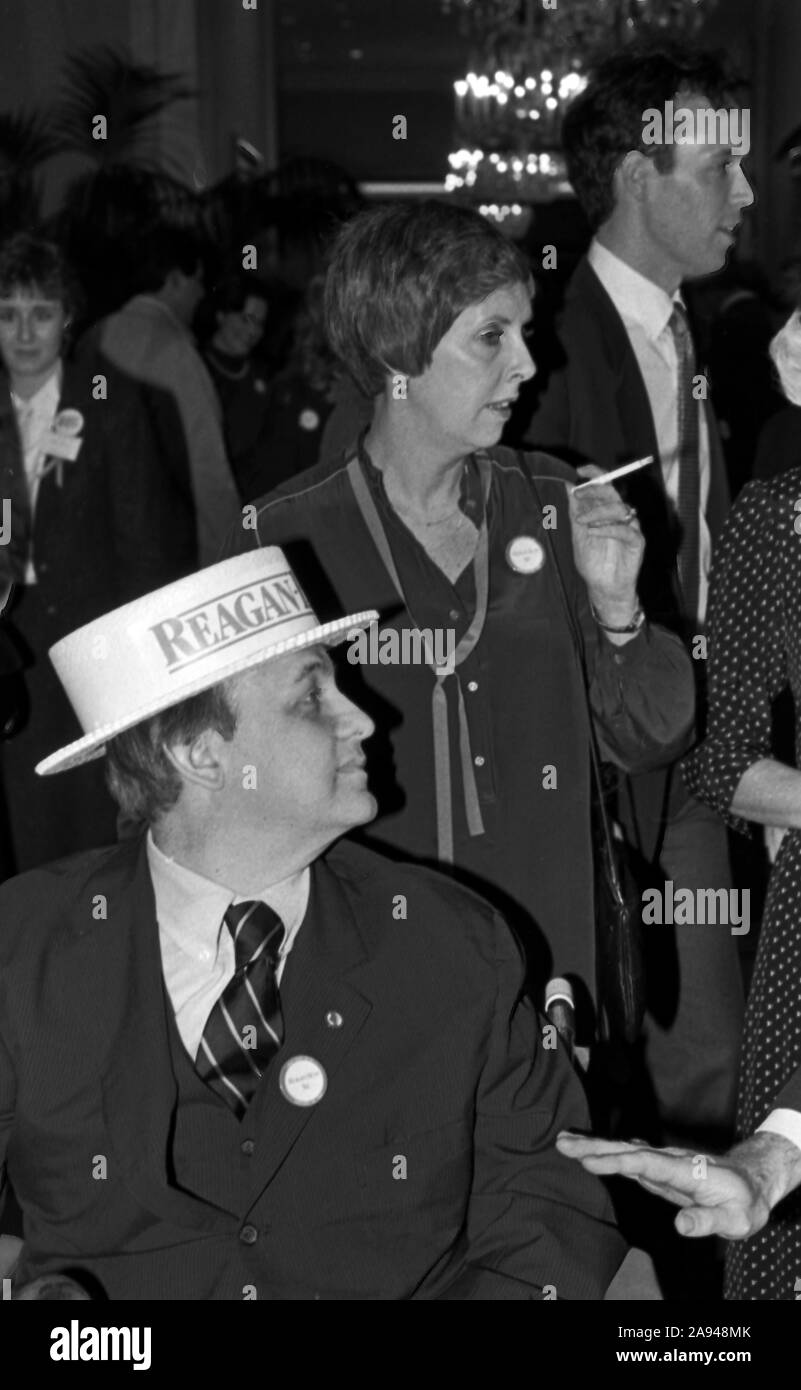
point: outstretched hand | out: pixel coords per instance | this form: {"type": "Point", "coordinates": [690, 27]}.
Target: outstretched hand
{"type": "Point", "coordinates": [727, 1196]}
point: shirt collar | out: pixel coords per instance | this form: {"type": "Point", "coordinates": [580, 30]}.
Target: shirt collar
{"type": "Point", "coordinates": [45, 400]}
{"type": "Point", "coordinates": [638, 300]}
{"type": "Point", "coordinates": [190, 907]}
{"type": "Point", "coordinates": [470, 494]}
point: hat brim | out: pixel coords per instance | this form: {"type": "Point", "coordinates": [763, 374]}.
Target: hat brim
{"type": "Point", "coordinates": [93, 745]}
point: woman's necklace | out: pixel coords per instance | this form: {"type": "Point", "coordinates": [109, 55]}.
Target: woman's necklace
{"type": "Point", "coordinates": [226, 371]}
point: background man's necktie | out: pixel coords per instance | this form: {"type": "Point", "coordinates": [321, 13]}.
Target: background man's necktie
{"type": "Point", "coordinates": [689, 464]}
{"type": "Point", "coordinates": [245, 1028]}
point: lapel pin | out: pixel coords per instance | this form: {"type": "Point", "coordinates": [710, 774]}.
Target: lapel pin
{"type": "Point", "coordinates": [303, 1081]}
{"type": "Point", "coordinates": [525, 555]}
{"type": "Point", "coordinates": [334, 1019]}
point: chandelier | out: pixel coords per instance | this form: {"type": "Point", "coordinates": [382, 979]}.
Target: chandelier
{"type": "Point", "coordinates": [528, 60]}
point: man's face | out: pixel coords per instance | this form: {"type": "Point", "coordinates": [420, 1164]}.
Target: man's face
{"type": "Point", "coordinates": [31, 334]}
{"type": "Point", "coordinates": [690, 211]}
{"type": "Point", "coordinates": [302, 738]}
{"type": "Point", "coordinates": [463, 398]}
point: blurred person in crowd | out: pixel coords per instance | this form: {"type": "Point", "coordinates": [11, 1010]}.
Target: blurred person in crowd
{"type": "Point", "coordinates": [151, 339]}
{"type": "Point", "coordinates": [230, 326]}
{"type": "Point", "coordinates": [269, 1165]}
{"type": "Point", "coordinates": [661, 213]}
{"type": "Point", "coordinates": [427, 307]}
{"type": "Point", "coordinates": [737, 313]}
{"type": "Point", "coordinates": [93, 518]}
{"type": "Point", "coordinates": [314, 409]}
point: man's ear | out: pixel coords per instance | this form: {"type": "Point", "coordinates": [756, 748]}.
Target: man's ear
{"type": "Point", "coordinates": [633, 176]}
{"type": "Point", "coordinates": [202, 761]}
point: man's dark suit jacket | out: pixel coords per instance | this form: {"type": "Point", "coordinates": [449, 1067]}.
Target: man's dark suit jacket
{"type": "Point", "coordinates": [596, 410]}
{"type": "Point", "coordinates": [438, 1062]}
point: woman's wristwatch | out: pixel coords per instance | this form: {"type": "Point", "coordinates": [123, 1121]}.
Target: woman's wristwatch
{"type": "Point", "coordinates": [636, 623]}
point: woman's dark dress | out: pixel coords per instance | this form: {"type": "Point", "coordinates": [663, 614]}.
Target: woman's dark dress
{"type": "Point", "coordinates": [754, 654]}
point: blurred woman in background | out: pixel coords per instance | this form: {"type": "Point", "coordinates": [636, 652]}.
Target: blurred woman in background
{"type": "Point", "coordinates": [231, 324]}
{"type": "Point", "coordinates": [94, 521]}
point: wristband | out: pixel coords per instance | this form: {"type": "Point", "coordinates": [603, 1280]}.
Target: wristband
{"type": "Point", "coordinates": [638, 618]}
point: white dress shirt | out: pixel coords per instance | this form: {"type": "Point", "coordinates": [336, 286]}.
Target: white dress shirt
{"type": "Point", "coordinates": [197, 949]}
{"type": "Point", "coordinates": [35, 418]}
{"type": "Point", "coordinates": [645, 309]}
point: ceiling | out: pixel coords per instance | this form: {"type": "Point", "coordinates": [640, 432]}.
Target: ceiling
{"type": "Point", "coordinates": [360, 42]}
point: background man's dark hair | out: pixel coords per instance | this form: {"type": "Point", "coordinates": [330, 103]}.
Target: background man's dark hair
{"type": "Point", "coordinates": [168, 248]}
{"type": "Point", "coordinates": [605, 121]}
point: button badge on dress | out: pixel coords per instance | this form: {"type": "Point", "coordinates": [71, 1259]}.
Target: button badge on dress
{"type": "Point", "coordinates": [525, 555]}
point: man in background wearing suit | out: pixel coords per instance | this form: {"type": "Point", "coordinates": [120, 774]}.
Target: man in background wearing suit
{"type": "Point", "coordinates": [238, 1060]}
{"type": "Point", "coordinates": [630, 387]}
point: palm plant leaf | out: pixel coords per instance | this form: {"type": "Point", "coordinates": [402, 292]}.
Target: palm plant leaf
{"type": "Point", "coordinates": [25, 141]}
{"type": "Point", "coordinates": [104, 82]}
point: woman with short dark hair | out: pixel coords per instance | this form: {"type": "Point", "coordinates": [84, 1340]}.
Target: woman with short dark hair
{"type": "Point", "coordinates": [481, 762]}
{"type": "Point", "coordinates": [94, 521]}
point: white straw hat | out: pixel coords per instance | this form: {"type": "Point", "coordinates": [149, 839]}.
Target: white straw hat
{"type": "Point", "coordinates": [162, 648]}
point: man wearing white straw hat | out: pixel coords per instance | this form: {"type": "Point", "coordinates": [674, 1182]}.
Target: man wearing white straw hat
{"type": "Point", "coordinates": [238, 1063]}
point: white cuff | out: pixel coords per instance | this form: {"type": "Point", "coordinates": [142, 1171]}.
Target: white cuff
{"type": "Point", "coordinates": [787, 1123]}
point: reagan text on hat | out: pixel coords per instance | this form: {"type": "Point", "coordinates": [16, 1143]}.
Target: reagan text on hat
{"type": "Point", "coordinates": [224, 621]}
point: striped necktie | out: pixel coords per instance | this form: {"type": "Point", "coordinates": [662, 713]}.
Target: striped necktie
{"type": "Point", "coordinates": [689, 495]}
{"type": "Point", "coordinates": [245, 1028]}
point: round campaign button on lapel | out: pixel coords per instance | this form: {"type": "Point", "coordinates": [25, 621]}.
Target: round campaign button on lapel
{"type": "Point", "coordinates": [303, 1081]}
{"type": "Point", "coordinates": [525, 555]}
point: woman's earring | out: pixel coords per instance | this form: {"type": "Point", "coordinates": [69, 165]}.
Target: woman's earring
{"type": "Point", "coordinates": [399, 384]}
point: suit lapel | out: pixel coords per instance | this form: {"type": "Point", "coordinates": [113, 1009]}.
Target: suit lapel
{"type": "Point", "coordinates": [632, 408]}
{"type": "Point", "coordinates": [319, 988]}
{"type": "Point", "coordinates": [139, 1089]}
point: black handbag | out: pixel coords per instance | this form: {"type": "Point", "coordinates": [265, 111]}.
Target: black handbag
{"type": "Point", "coordinates": [620, 965]}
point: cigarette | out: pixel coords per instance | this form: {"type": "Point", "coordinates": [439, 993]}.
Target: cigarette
{"type": "Point", "coordinates": [615, 473]}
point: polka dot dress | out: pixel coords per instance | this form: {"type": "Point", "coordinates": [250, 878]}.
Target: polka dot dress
{"type": "Point", "coordinates": [754, 654]}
